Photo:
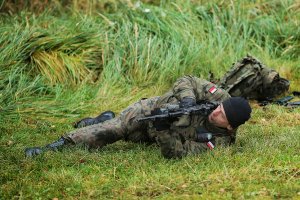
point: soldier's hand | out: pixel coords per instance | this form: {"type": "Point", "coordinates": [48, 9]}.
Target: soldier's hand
{"type": "Point", "coordinates": [203, 137]}
{"type": "Point", "coordinates": [33, 151]}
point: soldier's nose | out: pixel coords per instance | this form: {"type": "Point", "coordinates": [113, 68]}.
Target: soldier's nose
{"type": "Point", "coordinates": [216, 113]}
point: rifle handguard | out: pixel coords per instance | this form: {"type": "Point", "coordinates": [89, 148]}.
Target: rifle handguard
{"type": "Point", "coordinates": [173, 112]}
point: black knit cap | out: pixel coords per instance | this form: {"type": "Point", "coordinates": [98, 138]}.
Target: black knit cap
{"type": "Point", "coordinates": [237, 110]}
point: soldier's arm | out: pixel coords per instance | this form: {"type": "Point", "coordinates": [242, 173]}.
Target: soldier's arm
{"type": "Point", "coordinates": [172, 146]}
{"type": "Point", "coordinates": [198, 89]}
{"type": "Point", "coordinates": [184, 87]}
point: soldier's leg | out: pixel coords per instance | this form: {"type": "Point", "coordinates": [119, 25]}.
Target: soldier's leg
{"type": "Point", "coordinates": [123, 127]}
{"type": "Point", "coordinates": [98, 135]}
{"type": "Point", "coordinates": [107, 115]}
{"type": "Point", "coordinates": [94, 136]}
{"type": "Point", "coordinates": [137, 131]}
{"type": "Point", "coordinates": [34, 151]}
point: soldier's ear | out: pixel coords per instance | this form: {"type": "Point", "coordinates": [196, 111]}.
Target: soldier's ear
{"type": "Point", "coordinates": [229, 127]}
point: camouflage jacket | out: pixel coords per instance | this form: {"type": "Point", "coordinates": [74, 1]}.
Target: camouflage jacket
{"type": "Point", "coordinates": [180, 139]}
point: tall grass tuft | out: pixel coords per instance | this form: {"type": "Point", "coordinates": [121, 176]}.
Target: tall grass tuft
{"type": "Point", "coordinates": [137, 45]}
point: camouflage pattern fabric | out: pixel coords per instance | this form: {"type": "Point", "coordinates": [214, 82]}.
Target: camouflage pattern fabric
{"type": "Point", "coordinates": [176, 142]}
{"type": "Point", "coordinates": [243, 78]}
{"type": "Point", "coordinates": [122, 127]}
{"type": "Point", "coordinates": [251, 79]}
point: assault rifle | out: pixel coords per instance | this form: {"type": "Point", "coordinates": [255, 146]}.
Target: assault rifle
{"type": "Point", "coordinates": [163, 117]}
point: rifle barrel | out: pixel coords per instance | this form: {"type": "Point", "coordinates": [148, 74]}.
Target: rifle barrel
{"type": "Point", "coordinates": [293, 104]}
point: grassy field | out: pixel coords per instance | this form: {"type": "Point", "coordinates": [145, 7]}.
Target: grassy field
{"type": "Point", "coordinates": [60, 62]}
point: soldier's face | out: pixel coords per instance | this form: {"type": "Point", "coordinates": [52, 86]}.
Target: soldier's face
{"type": "Point", "coordinates": [218, 118]}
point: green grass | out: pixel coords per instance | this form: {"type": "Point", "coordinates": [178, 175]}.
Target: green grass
{"type": "Point", "coordinates": [263, 164]}
{"type": "Point", "coordinates": [82, 57]}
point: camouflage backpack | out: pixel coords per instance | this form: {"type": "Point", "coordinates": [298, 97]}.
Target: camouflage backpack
{"type": "Point", "coordinates": [251, 79]}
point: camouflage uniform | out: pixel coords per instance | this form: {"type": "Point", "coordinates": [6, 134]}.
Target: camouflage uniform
{"type": "Point", "coordinates": [176, 142]}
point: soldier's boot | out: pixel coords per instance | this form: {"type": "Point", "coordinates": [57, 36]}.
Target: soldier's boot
{"type": "Point", "coordinates": [107, 115]}
{"type": "Point", "coordinates": [54, 146]}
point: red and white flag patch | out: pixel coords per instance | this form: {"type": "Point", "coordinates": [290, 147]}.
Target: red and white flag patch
{"type": "Point", "coordinates": [210, 145]}
{"type": "Point", "coordinates": [213, 89]}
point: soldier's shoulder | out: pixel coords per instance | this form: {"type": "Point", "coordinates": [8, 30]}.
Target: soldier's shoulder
{"type": "Point", "coordinates": [214, 92]}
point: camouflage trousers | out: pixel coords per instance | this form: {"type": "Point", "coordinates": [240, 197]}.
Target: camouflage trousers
{"type": "Point", "coordinates": [123, 127]}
